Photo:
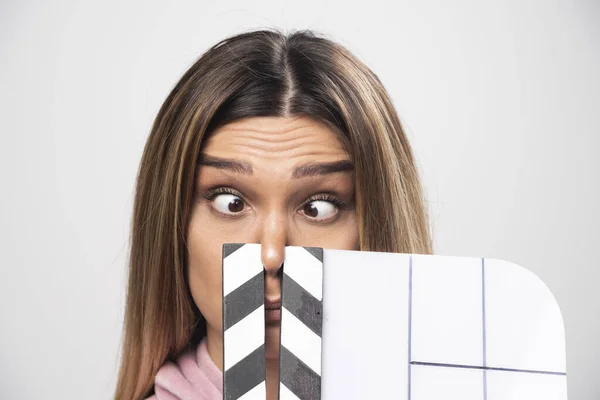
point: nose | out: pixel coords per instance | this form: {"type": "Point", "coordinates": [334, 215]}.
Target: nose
{"type": "Point", "coordinates": [273, 241]}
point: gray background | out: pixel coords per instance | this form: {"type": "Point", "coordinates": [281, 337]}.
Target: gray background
{"type": "Point", "coordinates": [500, 101]}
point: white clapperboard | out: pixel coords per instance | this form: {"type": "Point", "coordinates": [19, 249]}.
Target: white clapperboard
{"type": "Point", "coordinates": [367, 325]}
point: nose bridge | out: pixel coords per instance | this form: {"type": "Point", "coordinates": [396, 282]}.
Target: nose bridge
{"type": "Point", "coordinates": [274, 237]}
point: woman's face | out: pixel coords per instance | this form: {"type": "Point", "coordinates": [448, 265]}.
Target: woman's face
{"type": "Point", "coordinates": [274, 181]}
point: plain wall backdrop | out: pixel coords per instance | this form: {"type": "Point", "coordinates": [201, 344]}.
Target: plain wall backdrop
{"type": "Point", "coordinates": [501, 101]}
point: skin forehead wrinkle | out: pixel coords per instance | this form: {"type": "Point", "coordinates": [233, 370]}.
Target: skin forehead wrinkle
{"type": "Point", "coordinates": [286, 129]}
{"type": "Point", "coordinates": [257, 129]}
{"type": "Point", "coordinates": [264, 124]}
{"type": "Point", "coordinates": [284, 141]}
{"type": "Point", "coordinates": [273, 135]}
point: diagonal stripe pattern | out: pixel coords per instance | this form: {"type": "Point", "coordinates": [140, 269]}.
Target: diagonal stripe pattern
{"type": "Point", "coordinates": [301, 324]}
{"type": "Point", "coordinates": [243, 323]}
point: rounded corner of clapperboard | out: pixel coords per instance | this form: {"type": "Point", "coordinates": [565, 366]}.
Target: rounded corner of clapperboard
{"type": "Point", "coordinates": [533, 279]}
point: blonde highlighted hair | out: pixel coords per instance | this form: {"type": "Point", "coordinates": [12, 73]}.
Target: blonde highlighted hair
{"type": "Point", "coordinates": [260, 73]}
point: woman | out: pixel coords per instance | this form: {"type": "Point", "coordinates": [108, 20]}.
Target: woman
{"type": "Point", "coordinates": [268, 138]}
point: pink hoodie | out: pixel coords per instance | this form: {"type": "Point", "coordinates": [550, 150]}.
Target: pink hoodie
{"type": "Point", "coordinates": [194, 377]}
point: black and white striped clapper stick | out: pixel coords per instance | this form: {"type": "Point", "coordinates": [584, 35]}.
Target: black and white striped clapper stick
{"type": "Point", "coordinates": [301, 322]}
{"type": "Point", "coordinates": [243, 323]}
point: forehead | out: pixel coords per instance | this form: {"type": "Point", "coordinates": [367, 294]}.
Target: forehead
{"type": "Point", "coordinates": [266, 138]}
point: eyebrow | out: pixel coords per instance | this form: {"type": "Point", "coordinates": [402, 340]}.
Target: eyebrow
{"type": "Point", "coordinates": [240, 167]}
{"type": "Point", "coordinates": [315, 169]}
{"type": "Point", "coordinates": [303, 171]}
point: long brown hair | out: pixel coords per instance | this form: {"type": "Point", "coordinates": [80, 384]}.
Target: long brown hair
{"type": "Point", "coordinates": [261, 73]}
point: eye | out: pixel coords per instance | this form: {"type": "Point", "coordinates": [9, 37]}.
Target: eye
{"type": "Point", "coordinates": [228, 203]}
{"type": "Point", "coordinates": [320, 209]}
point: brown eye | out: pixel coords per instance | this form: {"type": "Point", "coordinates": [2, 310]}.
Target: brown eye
{"type": "Point", "coordinates": [319, 210]}
{"type": "Point", "coordinates": [228, 204]}
{"type": "Point", "coordinates": [236, 205]}
{"type": "Point", "coordinates": [310, 210]}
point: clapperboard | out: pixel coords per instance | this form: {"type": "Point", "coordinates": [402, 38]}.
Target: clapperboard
{"type": "Point", "coordinates": [367, 325]}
